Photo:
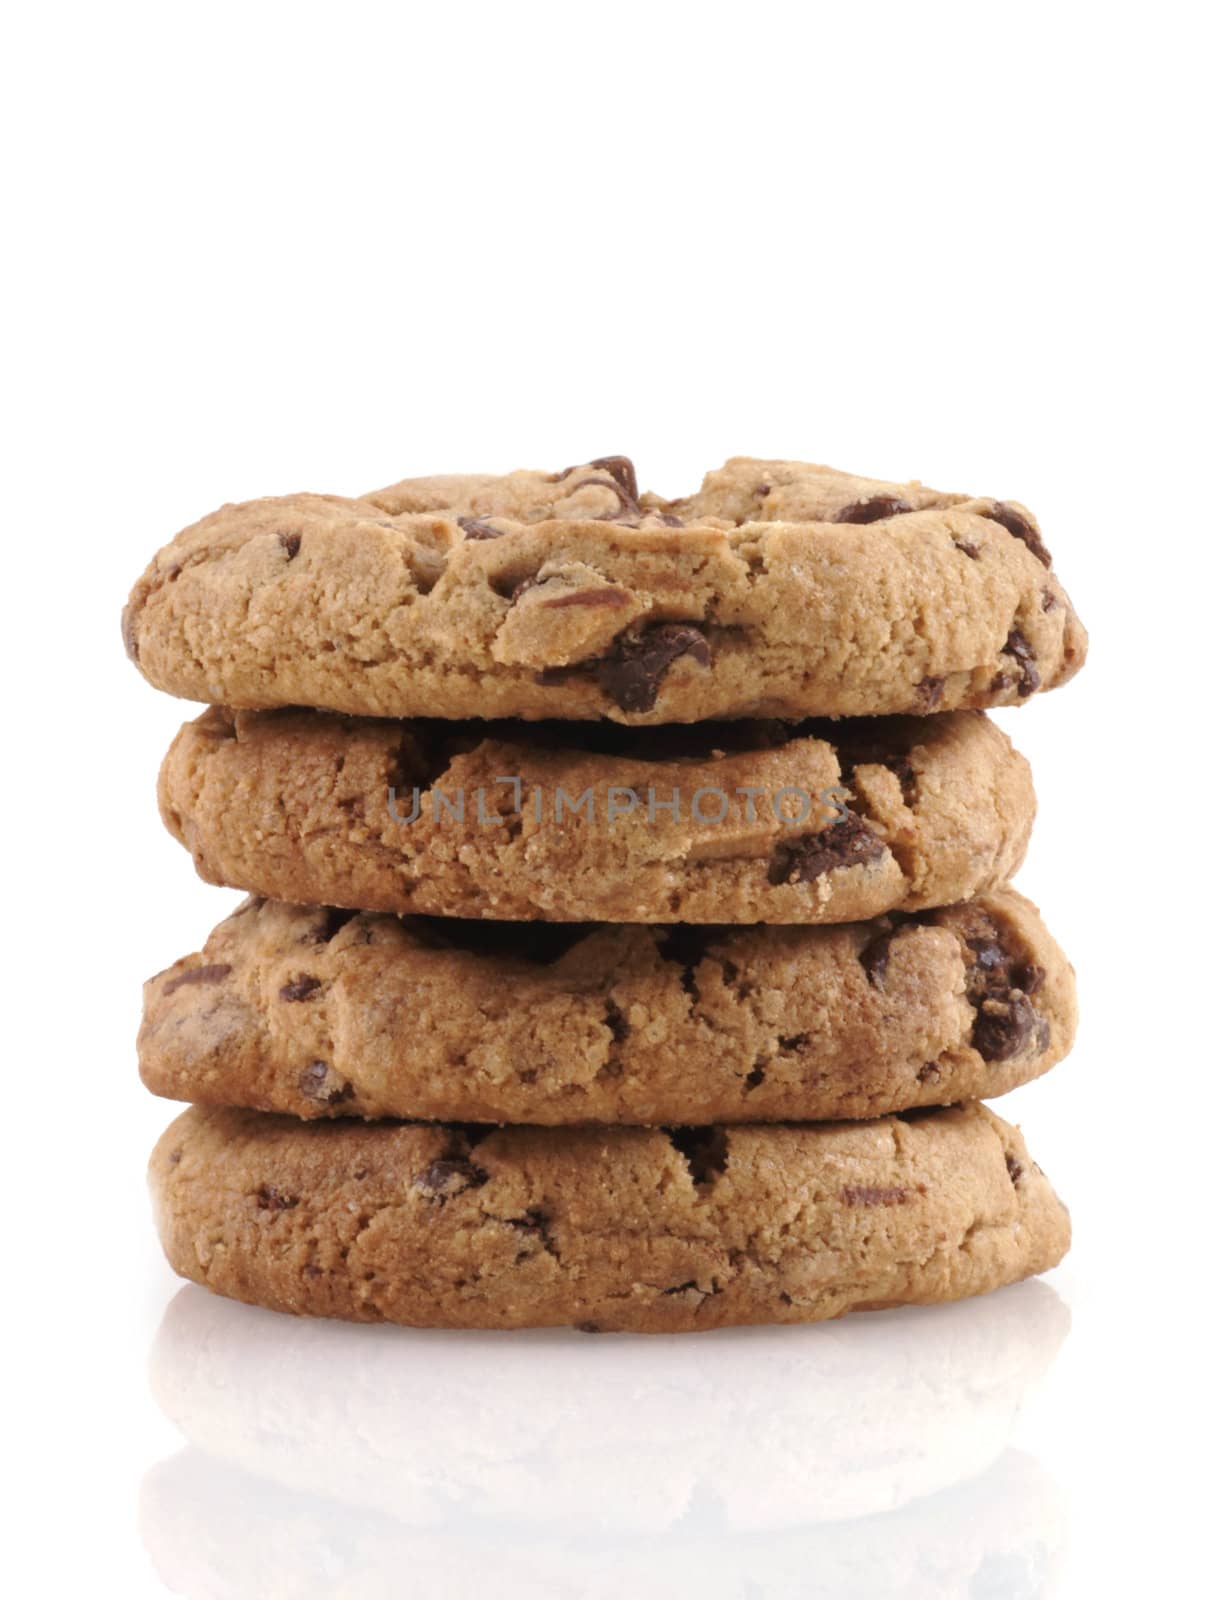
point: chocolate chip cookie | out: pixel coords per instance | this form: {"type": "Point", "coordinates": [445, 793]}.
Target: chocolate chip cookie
{"type": "Point", "coordinates": [329, 1014]}
{"type": "Point", "coordinates": [780, 589]}
{"type": "Point", "coordinates": [638, 1229]}
{"type": "Point", "coordinates": [734, 822]}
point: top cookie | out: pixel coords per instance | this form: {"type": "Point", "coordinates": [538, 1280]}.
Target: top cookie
{"type": "Point", "coordinates": [779, 590]}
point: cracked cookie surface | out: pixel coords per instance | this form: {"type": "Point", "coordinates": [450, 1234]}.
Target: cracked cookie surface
{"type": "Point", "coordinates": [320, 1014]}
{"type": "Point", "coordinates": [735, 822]}
{"type": "Point", "coordinates": [607, 1229]}
{"type": "Point", "coordinates": [779, 589]}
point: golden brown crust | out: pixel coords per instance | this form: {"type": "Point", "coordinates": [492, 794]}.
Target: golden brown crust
{"type": "Point", "coordinates": [609, 1228]}
{"type": "Point", "coordinates": [780, 589]}
{"type": "Point", "coordinates": [315, 809]}
{"type": "Point", "coordinates": [291, 1009]}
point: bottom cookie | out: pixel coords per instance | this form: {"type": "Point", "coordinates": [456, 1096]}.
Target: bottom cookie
{"type": "Point", "coordinates": [607, 1229]}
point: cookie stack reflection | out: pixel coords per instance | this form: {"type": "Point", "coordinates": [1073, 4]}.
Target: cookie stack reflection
{"type": "Point", "coordinates": [629, 941]}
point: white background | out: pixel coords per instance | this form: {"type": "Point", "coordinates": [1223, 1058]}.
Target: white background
{"type": "Point", "coordinates": [262, 248]}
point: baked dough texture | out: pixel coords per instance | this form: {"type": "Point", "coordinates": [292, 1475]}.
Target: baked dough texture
{"type": "Point", "coordinates": [325, 1014]}
{"type": "Point", "coordinates": [637, 1229]}
{"type": "Point", "coordinates": [727, 823]}
{"type": "Point", "coordinates": [779, 589]}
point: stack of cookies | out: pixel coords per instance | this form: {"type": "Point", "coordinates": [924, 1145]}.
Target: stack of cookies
{"type": "Point", "coordinates": [629, 943]}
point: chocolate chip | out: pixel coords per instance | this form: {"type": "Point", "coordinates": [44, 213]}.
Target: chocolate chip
{"type": "Point", "coordinates": [999, 985]}
{"type": "Point", "coordinates": [876, 508]}
{"type": "Point", "coordinates": [988, 953]}
{"type": "Point", "coordinates": [762, 489]}
{"type": "Point", "coordinates": [848, 843]}
{"type": "Point", "coordinates": [476, 528]}
{"type": "Point", "coordinates": [864, 1194]}
{"type": "Point", "coordinates": [1049, 600]}
{"type": "Point", "coordinates": [1029, 978]}
{"type": "Point", "coordinates": [792, 1043]}
{"type": "Point", "coordinates": [968, 548]}
{"type": "Point", "coordinates": [446, 1178]}
{"type": "Point", "coordinates": [313, 1271]}
{"type": "Point", "coordinates": [754, 1078]}
{"type": "Point", "coordinates": [669, 520]}
{"type": "Point", "coordinates": [704, 1149]}
{"type": "Point", "coordinates": [271, 1198]}
{"type": "Point", "coordinates": [1020, 528]}
{"type": "Point", "coordinates": [928, 1072]}
{"type": "Point", "coordinates": [929, 691]}
{"type": "Point", "coordinates": [1005, 1024]}
{"type": "Point", "coordinates": [624, 474]}
{"type": "Point", "coordinates": [315, 1084]}
{"type": "Point", "coordinates": [301, 988]}
{"type": "Point", "coordinates": [213, 973]}
{"type": "Point", "coordinates": [633, 672]}
{"type": "Point", "coordinates": [1019, 648]}
{"type": "Point", "coordinates": [991, 958]}
{"type": "Point", "coordinates": [629, 505]}
{"type": "Point", "coordinates": [1015, 1170]}
{"type": "Point", "coordinates": [290, 542]}
{"type": "Point", "coordinates": [312, 1079]}
{"type": "Point", "coordinates": [874, 958]}
{"type": "Point", "coordinates": [175, 1158]}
